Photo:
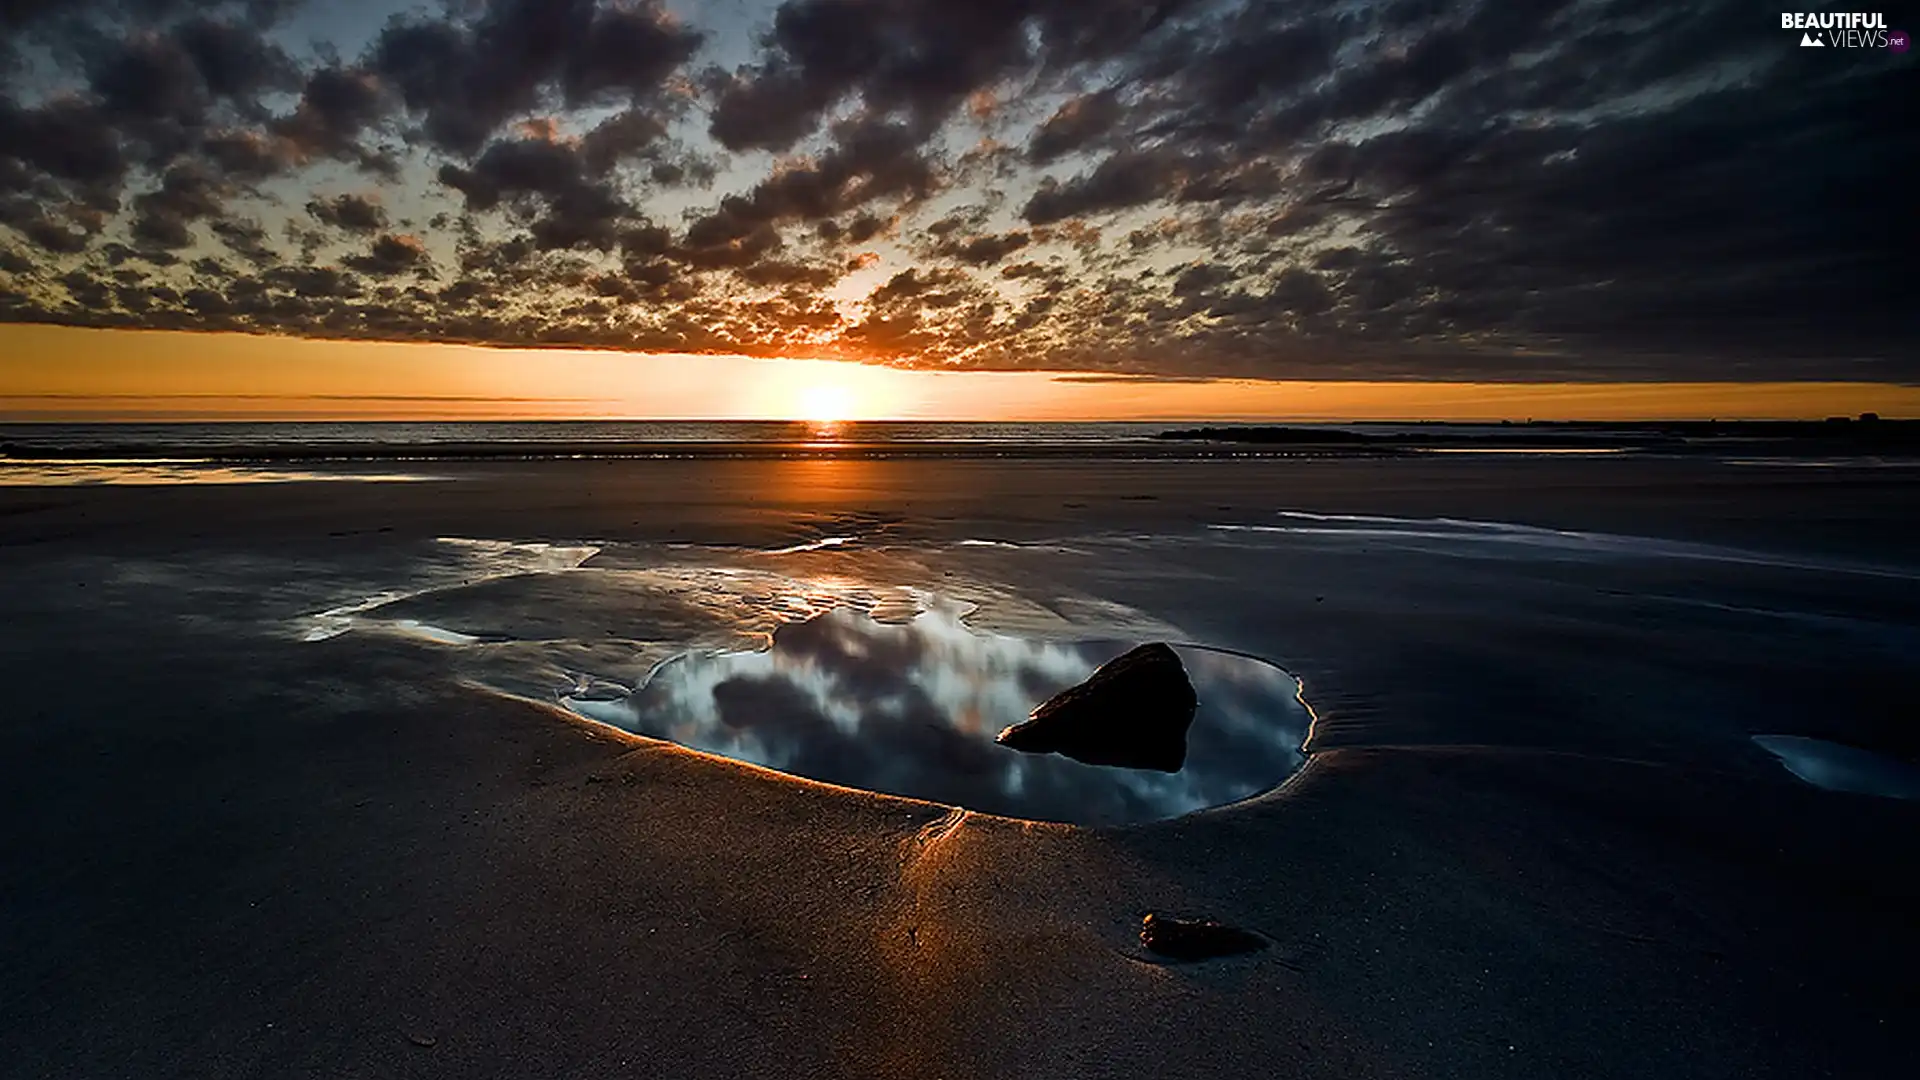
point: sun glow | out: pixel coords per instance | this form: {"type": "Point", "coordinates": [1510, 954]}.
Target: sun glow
{"type": "Point", "coordinates": [56, 373]}
{"type": "Point", "coordinates": [825, 404]}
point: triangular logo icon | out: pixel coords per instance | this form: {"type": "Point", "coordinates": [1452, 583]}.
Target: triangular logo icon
{"type": "Point", "coordinates": [1808, 41]}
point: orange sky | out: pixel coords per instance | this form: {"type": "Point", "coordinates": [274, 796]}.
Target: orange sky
{"type": "Point", "coordinates": [55, 373]}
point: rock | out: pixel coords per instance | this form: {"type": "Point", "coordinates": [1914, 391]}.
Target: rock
{"type": "Point", "coordinates": [1133, 713]}
{"type": "Point", "coordinates": [1196, 939]}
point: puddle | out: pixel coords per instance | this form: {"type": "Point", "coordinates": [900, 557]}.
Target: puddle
{"type": "Point", "coordinates": [1504, 540]}
{"type": "Point", "coordinates": [912, 709]}
{"type": "Point", "coordinates": [1837, 767]}
{"type": "Point", "coordinates": [469, 563]}
{"type": "Point", "coordinates": [171, 473]}
{"type": "Point", "coordinates": [788, 661]}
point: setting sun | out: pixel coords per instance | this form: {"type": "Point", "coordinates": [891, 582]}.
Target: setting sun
{"type": "Point", "coordinates": [826, 404]}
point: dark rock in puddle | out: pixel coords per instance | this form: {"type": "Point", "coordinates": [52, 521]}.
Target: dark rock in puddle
{"type": "Point", "coordinates": [1132, 712]}
{"type": "Point", "coordinates": [1196, 939]}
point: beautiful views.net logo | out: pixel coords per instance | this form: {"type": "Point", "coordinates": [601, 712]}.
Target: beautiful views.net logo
{"type": "Point", "coordinates": [1844, 30]}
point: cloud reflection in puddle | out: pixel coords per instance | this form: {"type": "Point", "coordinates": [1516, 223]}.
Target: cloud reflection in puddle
{"type": "Point", "coordinates": [912, 709]}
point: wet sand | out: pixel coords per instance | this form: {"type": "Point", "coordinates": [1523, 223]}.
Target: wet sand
{"type": "Point", "coordinates": [1535, 838]}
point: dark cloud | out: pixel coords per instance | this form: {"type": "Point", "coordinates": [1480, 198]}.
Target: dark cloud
{"type": "Point", "coordinates": [336, 105]}
{"type": "Point", "coordinates": [1074, 125]}
{"type": "Point", "coordinates": [1127, 179]}
{"type": "Point", "coordinates": [246, 155]}
{"type": "Point", "coordinates": [624, 136]}
{"type": "Point", "coordinates": [870, 162]}
{"type": "Point", "coordinates": [178, 73]}
{"type": "Point", "coordinates": [65, 139]}
{"type": "Point", "coordinates": [548, 183]}
{"type": "Point", "coordinates": [916, 59]}
{"type": "Point", "coordinates": [187, 193]}
{"type": "Point", "coordinates": [235, 61]}
{"type": "Point", "coordinates": [1136, 380]}
{"type": "Point", "coordinates": [161, 88]}
{"type": "Point", "coordinates": [1385, 188]}
{"type": "Point", "coordinates": [467, 79]}
{"type": "Point", "coordinates": [778, 272]}
{"type": "Point", "coordinates": [315, 282]}
{"type": "Point", "coordinates": [390, 255]}
{"type": "Point", "coordinates": [247, 239]}
{"type": "Point", "coordinates": [45, 233]}
{"type": "Point", "coordinates": [149, 78]}
{"type": "Point", "coordinates": [353, 213]}
{"type": "Point", "coordinates": [982, 250]}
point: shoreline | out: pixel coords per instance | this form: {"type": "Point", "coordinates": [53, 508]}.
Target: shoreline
{"type": "Point", "coordinates": [319, 443]}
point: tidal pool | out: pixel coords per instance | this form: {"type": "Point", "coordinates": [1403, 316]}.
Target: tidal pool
{"type": "Point", "coordinates": [912, 709]}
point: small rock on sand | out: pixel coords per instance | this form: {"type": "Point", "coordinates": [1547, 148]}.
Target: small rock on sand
{"type": "Point", "coordinates": [1196, 939]}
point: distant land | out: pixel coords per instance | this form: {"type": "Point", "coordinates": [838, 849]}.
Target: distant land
{"type": "Point", "coordinates": [1865, 434]}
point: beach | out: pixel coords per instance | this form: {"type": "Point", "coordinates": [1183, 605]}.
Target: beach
{"type": "Point", "coordinates": [283, 795]}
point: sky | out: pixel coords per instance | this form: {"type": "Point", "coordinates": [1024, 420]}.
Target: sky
{"type": "Point", "coordinates": [999, 207]}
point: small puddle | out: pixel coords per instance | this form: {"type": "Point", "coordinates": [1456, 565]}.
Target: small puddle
{"type": "Point", "coordinates": [912, 709]}
{"type": "Point", "coordinates": [1837, 767]}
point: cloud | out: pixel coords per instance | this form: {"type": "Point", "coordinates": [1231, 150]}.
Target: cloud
{"type": "Point", "coordinates": [918, 60]}
{"type": "Point", "coordinates": [983, 250]}
{"type": "Point", "coordinates": [1075, 124]}
{"type": "Point", "coordinates": [548, 183]}
{"type": "Point", "coordinates": [1135, 380]}
{"type": "Point", "coordinates": [870, 161]}
{"type": "Point", "coordinates": [1126, 179]}
{"type": "Point", "coordinates": [187, 193]}
{"type": "Point", "coordinates": [466, 80]}
{"type": "Point", "coordinates": [1382, 189]}
{"type": "Point", "coordinates": [389, 255]}
{"type": "Point", "coordinates": [45, 233]}
{"type": "Point", "coordinates": [352, 213]}
{"type": "Point", "coordinates": [64, 139]}
{"type": "Point", "coordinates": [336, 105]}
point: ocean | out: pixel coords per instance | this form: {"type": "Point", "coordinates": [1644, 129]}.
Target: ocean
{"type": "Point", "coordinates": [586, 434]}
{"type": "Point", "coordinates": [177, 442]}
